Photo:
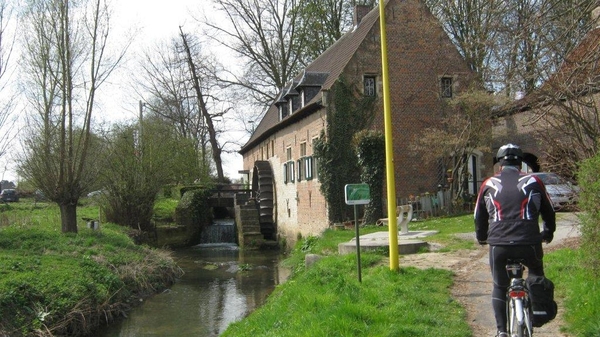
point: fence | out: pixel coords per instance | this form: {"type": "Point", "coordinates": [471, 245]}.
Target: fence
{"type": "Point", "coordinates": [436, 204]}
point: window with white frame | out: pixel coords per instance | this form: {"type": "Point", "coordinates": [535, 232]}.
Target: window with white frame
{"type": "Point", "coordinates": [369, 86]}
{"type": "Point", "coordinates": [288, 167]}
{"type": "Point", "coordinates": [446, 87]}
{"type": "Point", "coordinates": [308, 167]}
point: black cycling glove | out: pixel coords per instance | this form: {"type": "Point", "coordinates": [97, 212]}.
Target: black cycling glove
{"type": "Point", "coordinates": [547, 236]}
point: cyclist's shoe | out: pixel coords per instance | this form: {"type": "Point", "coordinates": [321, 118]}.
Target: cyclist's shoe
{"type": "Point", "coordinates": [502, 334]}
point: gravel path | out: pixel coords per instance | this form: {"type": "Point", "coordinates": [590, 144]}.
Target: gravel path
{"type": "Point", "coordinates": [473, 285]}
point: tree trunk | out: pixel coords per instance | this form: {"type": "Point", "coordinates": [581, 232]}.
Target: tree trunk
{"type": "Point", "coordinates": [68, 217]}
{"type": "Point", "coordinates": [212, 133]}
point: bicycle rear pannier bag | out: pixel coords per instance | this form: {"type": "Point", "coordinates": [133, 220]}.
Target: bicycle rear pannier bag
{"type": "Point", "coordinates": [541, 293]}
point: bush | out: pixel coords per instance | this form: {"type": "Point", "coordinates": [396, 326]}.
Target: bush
{"type": "Point", "coordinates": [589, 201]}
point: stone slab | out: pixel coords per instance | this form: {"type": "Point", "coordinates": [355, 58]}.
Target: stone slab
{"type": "Point", "coordinates": [408, 243]}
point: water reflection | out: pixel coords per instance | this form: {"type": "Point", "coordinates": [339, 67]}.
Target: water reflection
{"type": "Point", "coordinates": [221, 285]}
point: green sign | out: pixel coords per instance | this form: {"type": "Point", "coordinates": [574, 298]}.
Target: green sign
{"type": "Point", "coordinates": [357, 194]}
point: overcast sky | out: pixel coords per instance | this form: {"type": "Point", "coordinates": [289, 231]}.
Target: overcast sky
{"type": "Point", "coordinates": [155, 21]}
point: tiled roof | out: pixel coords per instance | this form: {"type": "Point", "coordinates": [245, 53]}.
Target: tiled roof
{"type": "Point", "coordinates": [325, 69]}
{"type": "Point", "coordinates": [312, 78]}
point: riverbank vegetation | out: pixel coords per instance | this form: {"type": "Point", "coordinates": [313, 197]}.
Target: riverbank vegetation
{"type": "Point", "coordinates": [328, 300]}
{"type": "Point", "coordinates": [65, 284]}
{"type": "Point", "coordinates": [55, 284]}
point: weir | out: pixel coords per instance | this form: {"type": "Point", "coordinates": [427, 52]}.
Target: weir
{"type": "Point", "coordinates": [220, 231]}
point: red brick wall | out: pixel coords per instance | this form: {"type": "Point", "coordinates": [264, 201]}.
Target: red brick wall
{"type": "Point", "coordinates": [419, 54]}
{"type": "Point", "coordinates": [300, 208]}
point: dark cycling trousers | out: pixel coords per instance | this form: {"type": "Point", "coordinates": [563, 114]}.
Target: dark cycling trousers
{"type": "Point", "coordinates": [532, 254]}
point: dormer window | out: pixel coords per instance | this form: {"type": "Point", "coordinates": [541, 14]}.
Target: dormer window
{"type": "Point", "coordinates": [369, 86]}
{"type": "Point", "coordinates": [291, 106]}
{"type": "Point", "coordinates": [446, 87]}
{"type": "Point", "coordinates": [283, 111]}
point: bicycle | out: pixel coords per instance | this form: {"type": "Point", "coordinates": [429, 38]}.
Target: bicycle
{"type": "Point", "coordinates": [518, 310]}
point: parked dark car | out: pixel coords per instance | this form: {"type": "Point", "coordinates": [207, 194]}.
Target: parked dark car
{"type": "Point", "coordinates": [9, 195]}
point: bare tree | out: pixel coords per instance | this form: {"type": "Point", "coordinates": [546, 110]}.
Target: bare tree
{"type": "Point", "coordinates": [569, 113]}
{"type": "Point", "coordinates": [166, 78]}
{"type": "Point", "coordinates": [263, 34]}
{"type": "Point", "coordinates": [201, 99]}
{"type": "Point", "coordinates": [514, 46]}
{"type": "Point", "coordinates": [463, 130]}
{"type": "Point", "coordinates": [322, 22]}
{"type": "Point", "coordinates": [473, 26]}
{"type": "Point", "coordinates": [6, 107]}
{"type": "Point", "coordinates": [65, 62]}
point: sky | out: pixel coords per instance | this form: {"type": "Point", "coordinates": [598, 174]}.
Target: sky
{"type": "Point", "coordinates": [150, 22]}
{"type": "Point", "coordinates": [160, 21]}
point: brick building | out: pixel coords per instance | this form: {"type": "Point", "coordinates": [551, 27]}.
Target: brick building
{"type": "Point", "coordinates": [425, 70]}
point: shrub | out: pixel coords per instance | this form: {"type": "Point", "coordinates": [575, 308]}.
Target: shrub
{"type": "Point", "coordinates": [589, 200]}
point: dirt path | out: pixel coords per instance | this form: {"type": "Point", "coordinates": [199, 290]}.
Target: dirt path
{"type": "Point", "coordinates": [473, 285]}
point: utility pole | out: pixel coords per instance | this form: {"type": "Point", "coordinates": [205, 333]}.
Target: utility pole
{"type": "Point", "coordinates": [141, 119]}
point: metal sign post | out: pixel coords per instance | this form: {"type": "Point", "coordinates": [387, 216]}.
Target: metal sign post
{"type": "Point", "coordinates": [357, 194]}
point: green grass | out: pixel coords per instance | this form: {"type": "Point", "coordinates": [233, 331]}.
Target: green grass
{"type": "Point", "coordinates": [328, 300]}
{"type": "Point", "coordinates": [447, 238]}
{"type": "Point", "coordinates": [67, 283]}
{"type": "Point", "coordinates": [579, 288]}
{"type": "Point", "coordinates": [49, 280]}
{"type": "Point", "coordinates": [164, 209]}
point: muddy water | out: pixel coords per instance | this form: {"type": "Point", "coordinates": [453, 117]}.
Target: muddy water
{"type": "Point", "coordinates": [221, 285]}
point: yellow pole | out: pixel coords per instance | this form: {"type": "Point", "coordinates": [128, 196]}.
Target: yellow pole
{"type": "Point", "coordinates": [389, 146]}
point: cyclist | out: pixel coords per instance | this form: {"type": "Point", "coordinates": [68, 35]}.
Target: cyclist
{"type": "Point", "coordinates": [508, 207]}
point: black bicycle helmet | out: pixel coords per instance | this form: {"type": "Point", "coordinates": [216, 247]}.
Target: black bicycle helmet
{"type": "Point", "coordinates": [510, 155]}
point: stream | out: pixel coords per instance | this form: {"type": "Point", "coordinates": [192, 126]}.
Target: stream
{"type": "Point", "coordinates": [221, 285]}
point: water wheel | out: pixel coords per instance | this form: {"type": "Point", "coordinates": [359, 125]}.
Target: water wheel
{"type": "Point", "coordinates": [262, 186]}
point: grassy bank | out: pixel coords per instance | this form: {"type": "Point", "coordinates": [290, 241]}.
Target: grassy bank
{"type": "Point", "coordinates": [328, 300]}
{"type": "Point", "coordinates": [57, 284]}
{"type": "Point", "coordinates": [66, 284]}
{"type": "Point", "coordinates": [580, 290]}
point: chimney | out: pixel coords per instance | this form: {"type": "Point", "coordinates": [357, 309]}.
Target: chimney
{"type": "Point", "coordinates": [359, 13]}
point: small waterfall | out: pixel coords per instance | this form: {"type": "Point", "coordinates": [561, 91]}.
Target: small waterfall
{"type": "Point", "coordinates": [220, 231]}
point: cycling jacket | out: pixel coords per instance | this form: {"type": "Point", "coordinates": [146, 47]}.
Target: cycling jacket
{"type": "Point", "coordinates": [508, 207]}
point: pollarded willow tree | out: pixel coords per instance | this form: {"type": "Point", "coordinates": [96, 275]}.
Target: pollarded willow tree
{"type": "Point", "coordinates": [65, 62]}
